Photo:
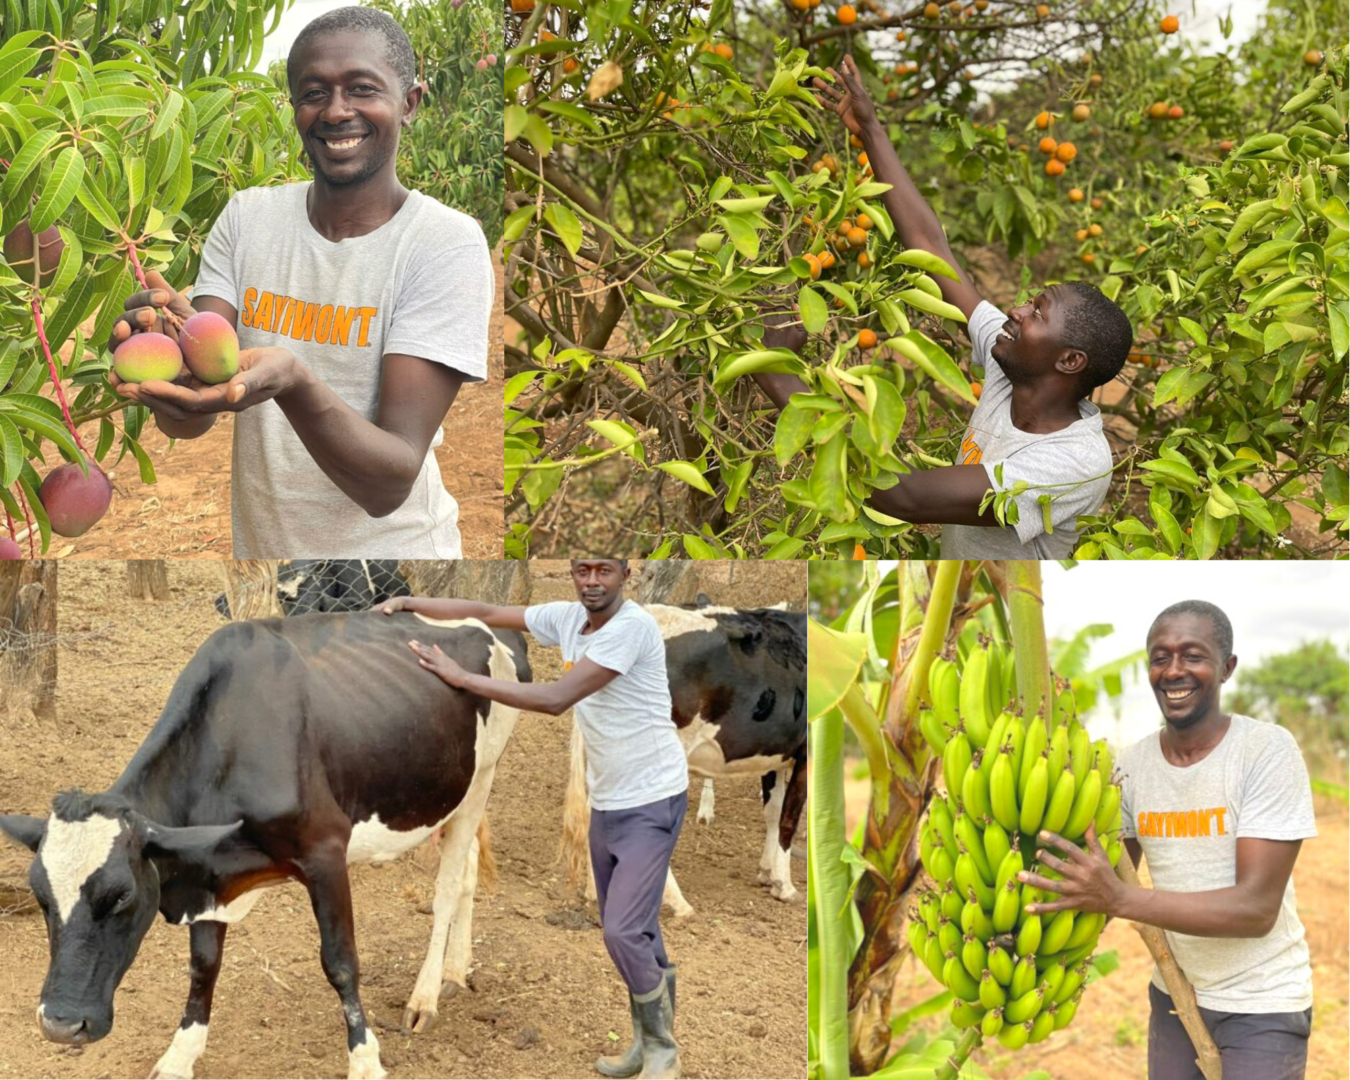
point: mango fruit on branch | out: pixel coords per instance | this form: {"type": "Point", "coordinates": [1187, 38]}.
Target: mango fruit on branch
{"type": "Point", "coordinates": [1005, 778]}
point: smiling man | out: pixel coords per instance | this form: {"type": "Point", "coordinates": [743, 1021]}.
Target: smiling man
{"type": "Point", "coordinates": [361, 308]}
{"type": "Point", "coordinates": [1041, 361]}
{"type": "Point", "coordinates": [1219, 804]}
{"type": "Point", "coordinates": [637, 776]}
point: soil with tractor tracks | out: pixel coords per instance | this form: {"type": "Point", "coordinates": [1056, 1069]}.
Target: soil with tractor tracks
{"type": "Point", "coordinates": [545, 998]}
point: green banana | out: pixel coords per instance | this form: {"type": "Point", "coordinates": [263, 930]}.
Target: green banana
{"type": "Point", "coordinates": [1041, 1027]}
{"type": "Point", "coordinates": [995, 840]}
{"type": "Point", "coordinates": [940, 865]}
{"type": "Point", "coordinates": [973, 955]}
{"type": "Point", "coordinates": [1073, 979]}
{"type": "Point", "coordinates": [1054, 935]}
{"type": "Point", "coordinates": [917, 933]}
{"type": "Point", "coordinates": [1066, 704]}
{"type": "Point", "coordinates": [930, 911]}
{"type": "Point", "coordinates": [1059, 750]}
{"type": "Point", "coordinates": [1052, 979]}
{"type": "Point", "coordinates": [952, 902]}
{"type": "Point", "coordinates": [1023, 980]}
{"type": "Point", "coordinates": [1033, 797]}
{"type": "Point", "coordinates": [992, 1023]}
{"type": "Point", "coordinates": [966, 1014]}
{"type": "Point", "coordinates": [949, 936]}
{"type": "Point", "coordinates": [1080, 752]}
{"type": "Point", "coordinates": [1084, 807]}
{"type": "Point", "coordinates": [995, 695]}
{"type": "Point", "coordinates": [1030, 895]}
{"type": "Point", "coordinates": [1014, 1036]}
{"type": "Point", "coordinates": [1003, 791]}
{"type": "Point", "coordinates": [940, 818]}
{"type": "Point", "coordinates": [958, 980]}
{"type": "Point", "coordinates": [997, 730]}
{"type": "Point", "coordinates": [932, 730]}
{"type": "Point", "coordinates": [1024, 1006]}
{"type": "Point", "coordinates": [1083, 952]}
{"type": "Point", "coordinates": [975, 921]}
{"type": "Point", "coordinates": [975, 714]}
{"type": "Point", "coordinates": [1061, 802]}
{"type": "Point", "coordinates": [944, 683]}
{"type": "Point", "coordinates": [1006, 902]}
{"type": "Point", "coordinates": [1114, 847]}
{"type": "Point", "coordinates": [1009, 677]}
{"type": "Point", "coordinates": [1000, 964]}
{"type": "Point", "coordinates": [1037, 739]}
{"type": "Point", "coordinates": [968, 835]}
{"type": "Point", "coordinates": [1017, 734]}
{"type": "Point", "coordinates": [975, 788]}
{"type": "Point", "coordinates": [967, 876]}
{"type": "Point", "coordinates": [1085, 931]}
{"type": "Point", "coordinates": [1103, 762]}
{"type": "Point", "coordinates": [992, 993]}
{"type": "Point", "coordinates": [1029, 936]}
{"type": "Point", "coordinates": [1107, 817]}
{"type": "Point", "coordinates": [1064, 1013]}
{"type": "Point", "coordinates": [955, 762]}
{"type": "Point", "coordinates": [932, 956]}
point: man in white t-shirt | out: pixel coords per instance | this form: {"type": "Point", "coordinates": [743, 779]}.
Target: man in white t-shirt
{"type": "Point", "coordinates": [637, 776]}
{"type": "Point", "coordinates": [1220, 804]}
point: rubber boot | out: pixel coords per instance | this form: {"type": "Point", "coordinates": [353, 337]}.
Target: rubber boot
{"type": "Point", "coordinates": [660, 1055]}
{"type": "Point", "coordinates": [628, 1063]}
{"type": "Point", "coordinates": [670, 982]}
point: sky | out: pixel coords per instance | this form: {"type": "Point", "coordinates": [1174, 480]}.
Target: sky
{"type": "Point", "coordinates": [1273, 606]}
{"type": "Point", "coordinates": [292, 22]}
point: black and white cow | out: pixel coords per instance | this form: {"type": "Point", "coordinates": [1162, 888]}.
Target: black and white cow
{"type": "Point", "coordinates": [738, 697]}
{"type": "Point", "coordinates": [285, 752]}
{"type": "Point", "coordinates": [309, 586]}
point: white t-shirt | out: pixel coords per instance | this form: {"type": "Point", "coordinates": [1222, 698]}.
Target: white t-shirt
{"type": "Point", "coordinates": [1188, 822]}
{"type": "Point", "coordinates": [1073, 465]}
{"type": "Point", "coordinates": [421, 284]}
{"type": "Point", "coordinates": [633, 751]}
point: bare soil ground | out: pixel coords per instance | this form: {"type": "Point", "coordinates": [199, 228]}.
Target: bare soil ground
{"type": "Point", "coordinates": [1108, 1039]}
{"type": "Point", "coordinates": [186, 512]}
{"type": "Point", "coordinates": [545, 997]}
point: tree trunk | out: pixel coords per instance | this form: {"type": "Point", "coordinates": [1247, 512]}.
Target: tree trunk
{"type": "Point", "coordinates": [28, 634]}
{"type": "Point", "coordinates": [147, 579]}
{"type": "Point", "coordinates": [251, 587]}
{"type": "Point", "coordinates": [493, 581]}
{"type": "Point", "coordinates": [662, 581]}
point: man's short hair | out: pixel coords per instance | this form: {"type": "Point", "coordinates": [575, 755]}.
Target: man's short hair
{"type": "Point", "coordinates": [1098, 327]}
{"type": "Point", "coordinates": [398, 49]}
{"type": "Point", "coordinates": [621, 562]}
{"type": "Point", "coordinates": [1223, 629]}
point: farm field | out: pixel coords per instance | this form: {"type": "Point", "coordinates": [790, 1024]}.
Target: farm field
{"type": "Point", "coordinates": [544, 998]}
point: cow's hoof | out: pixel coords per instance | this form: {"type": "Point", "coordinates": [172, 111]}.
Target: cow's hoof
{"type": "Point", "coordinates": [419, 1019]}
{"type": "Point", "coordinates": [681, 912]}
{"type": "Point", "coordinates": [704, 819]}
{"type": "Point", "coordinates": [365, 1067]}
{"type": "Point", "coordinates": [158, 1074]}
{"type": "Point", "coordinates": [784, 891]}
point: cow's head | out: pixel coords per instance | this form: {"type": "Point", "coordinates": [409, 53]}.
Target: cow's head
{"type": "Point", "coordinates": [96, 880]}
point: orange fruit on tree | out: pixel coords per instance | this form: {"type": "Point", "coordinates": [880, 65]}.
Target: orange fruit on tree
{"type": "Point", "coordinates": [570, 65]}
{"type": "Point", "coordinates": [801, 5]}
{"type": "Point", "coordinates": [1047, 145]}
{"type": "Point", "coordinates": [1096, 204]}
{"type": "Point", "coordinates": [864, 260]}
{"type": "Point", "coordinates": [522, 7]}
{"type": "Point", "coordinates": [857, 237]}
{"type": "Point", "coordinates": [545, 35]}
{"type": "Point", "coordinates": [976, 389]}
{"type": "Point", "coordinates": [1081, 112]}
{"type": "Point", "coordinates": [1158, 110]}
{"type": "Point", "coordinates": [1170, 24]}
{"type": "Point", "coordinates": [1054, 167]}
{"type": "Point", "coordinates": [830, 162]}
{"type": "Point", "coordinates": [867, 339]}
{"type": "Point", "coordinates": [724, 50]}
{"type": "Point", "coordinates": [892, 94]}
{"type": "Point", "coordinates": [826, 259]}
{"type": "Point", "coordinates": [1094, 229]}
{"type": "Point", "coordinates": [1043, 120]}
{"type": "Point", "coordinates": [816, 166]}
{"type": "Point", "coordinates": [814, 263]}
{"type": "Point", "coordinates": [931, 11]}
{"type": "Point", "coordinates": [1141, 249]}
{"type": "Point", "coordinates": [899, 35]}
{"type": "Point", "coordinates": [862, 159]}
{"type": "Point", "coordinates": [859, 552]}
{"type": "Point", "coordinates": [1066, 152]}
{"type": "Point", "coordinates": [1043, 11]}
{"type": "Point", "coordinates": [1089, 258]}
{"type": "Point", "coordinates": [1076, 194]}
{"type": "Point", "coordinates": [848, 15]}
{"type": "Point", "coordinates": [864, 222]}
{"type": "Point", "coordinates": [1312, 57]}
{"type": "Point", "coordinates": [1094, 80]}
{"type": "Point", "coordinates": [1176, 112]}
{"type": "Point", "coordinates": [1226, 146]}
{"type": "Point", "coordinates": [1080, 235]}
{"type": "Point", "coordinates": [980, 5]}
{"type": "Point", "coordinates": [954, 7]}
{"type": "Point", "coordinates": [855, 142]}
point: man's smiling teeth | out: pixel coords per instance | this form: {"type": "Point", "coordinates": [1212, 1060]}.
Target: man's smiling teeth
{"type": "Point", "coordinates": [1177, 695]}
{"type": "Point", "coordinates": [344, 144]}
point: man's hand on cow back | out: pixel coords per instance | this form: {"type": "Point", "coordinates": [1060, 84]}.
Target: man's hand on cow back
{"type": "Point", "coordinates": [435, 661]}
{"type": "Point", "coordinates": [393, 604]}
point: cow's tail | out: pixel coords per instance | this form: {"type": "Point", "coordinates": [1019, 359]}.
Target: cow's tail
{"type": "Point", "coordinates": [576, 816]}
{"type": "Point", "coordinates": [487, 861]}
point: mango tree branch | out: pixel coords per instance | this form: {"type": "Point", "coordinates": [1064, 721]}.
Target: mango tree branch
{"type": "Point", "coordinates": [1178, 986]}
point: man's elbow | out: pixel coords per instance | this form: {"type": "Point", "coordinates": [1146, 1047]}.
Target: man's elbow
{"type": "Point", "coordinates": [388, 496]}
{"type": "Point", "coordinates": [555, 704]}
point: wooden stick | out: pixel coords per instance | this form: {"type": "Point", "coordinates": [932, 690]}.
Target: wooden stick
{"type": "Point", "coordinates": [1178, 987]}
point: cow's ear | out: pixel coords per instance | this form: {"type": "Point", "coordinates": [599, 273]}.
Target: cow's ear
{"type": "Point", "coordinates": [25, 829]}
{"type": "Point", "coordinates": [190, 843]}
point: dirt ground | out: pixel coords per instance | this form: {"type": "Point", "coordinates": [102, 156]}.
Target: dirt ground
{"type": "Point", "coordinates": [186, 512]}
{"type": "Point", "coordinates": [545, 997]}
{"type": "Point", "coordinates": [1109, 1041]}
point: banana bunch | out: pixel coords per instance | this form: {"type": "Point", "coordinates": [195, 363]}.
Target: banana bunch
{"type": "Point", "coordinates": [1016, 975]}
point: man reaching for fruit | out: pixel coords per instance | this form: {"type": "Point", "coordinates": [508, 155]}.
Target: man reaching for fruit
{"type": "Point", "coordinates": [361, 307]}
{"type": "Point", "coordinates": [1033, 424]}
{"type": "Point", "coordinates": [1220, 804]}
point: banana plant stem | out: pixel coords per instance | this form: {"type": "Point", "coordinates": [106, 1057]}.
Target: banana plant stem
{"type": "Point", "coordinates": [1026, 613]}
{"type": "Point", "coordinates": [951, 1068]}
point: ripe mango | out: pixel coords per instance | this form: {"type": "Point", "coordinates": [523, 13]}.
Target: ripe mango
{"type": "Point", "coordinates": [9, 549]}
{"type": "Point", "coordinates": [147, 356]}
{"type": "Point", "coordinates": [75, 502]}
{"type": "Point", "coordinates": [210, 347]}
{"type": "Point", "coordinates": [19, 252]}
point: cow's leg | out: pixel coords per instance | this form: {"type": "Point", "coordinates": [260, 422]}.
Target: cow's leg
{"type": "Point", "coordinates": [208, 944]}
{"type": "Point", "coordinates": [705, 803]}
{"type": "Point", "coordinates": [673, 897]}
{"type": "Point", "coordinates": [775, 865]}
{"type": "Point", "coordinates": [452, 918]}
{"type": "Point", "coordinates": [330, 894]}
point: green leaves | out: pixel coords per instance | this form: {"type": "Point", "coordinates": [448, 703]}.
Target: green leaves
{"type": "Point", "coordinates": [779, 361]}
{"type": "Point", "coordinates": [566, 224]}
{"type": "Point", "coordinates": [814, 312]}
{"type": "Point", "coordinates": [932, 359]}
{"type": "Point", "coordinates": [64, 181]}
{"type": "Point", "coordinates": [688, 473]}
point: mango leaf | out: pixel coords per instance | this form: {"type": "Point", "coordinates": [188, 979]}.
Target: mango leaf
{"type": "Point", "coordinates": [64, 181]}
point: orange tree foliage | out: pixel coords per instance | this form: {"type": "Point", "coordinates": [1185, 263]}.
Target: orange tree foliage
{"type": "Point", "coordinates": [660, 196]}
